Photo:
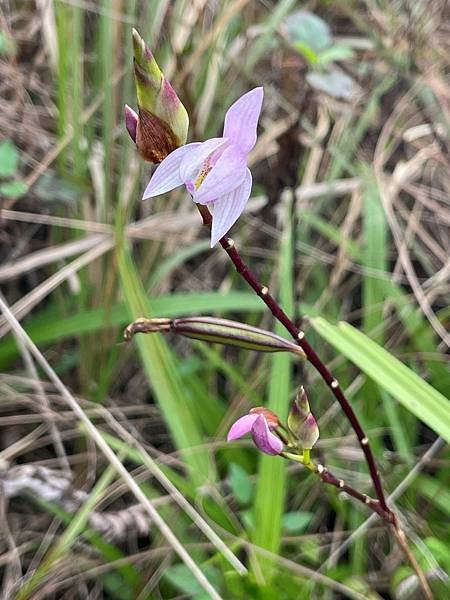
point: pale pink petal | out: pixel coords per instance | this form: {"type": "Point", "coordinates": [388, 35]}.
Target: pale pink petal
{"type": "Point", "coordinates": [225, 176]}
{"type": "Point", "coordinates": [192, 163]}
{"type": "Point", "coordinates": [241, 427]}
{"type": "Point", "coordinates": [131, 121]}
{"type": "Point", "coordinates": [264, 439]}
{"type": "Point", "coordinates": [167, 175]}
{"type": "Point", "coordinates": [241, 119]}
{"type": "Point", "coordinates": [227, 209]}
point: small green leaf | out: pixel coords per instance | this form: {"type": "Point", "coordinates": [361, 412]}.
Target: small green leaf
{"type": "Point", "coordinates": [334, 53]}
{"type": "Point", "coordinates": [13, 189]}
{"type": "Point", "coordinates": [335, 83]}
{"type": "Point", "coordinates": [297, 521]}
{"type": "Point", "coordinates": [308, 29]}
{"type": "Point", "coordinates": [307, 52]}
{"type": "Point", "coordinates": [240, 484]}
{"type": "Point", "coordinates": [183, 579]}
{"type": "Point", "coordinates": [9, 159]}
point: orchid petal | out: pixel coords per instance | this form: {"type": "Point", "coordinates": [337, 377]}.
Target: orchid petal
{"type": "Point", "coordinates": [241, 120]}
{"type": "Point", "coordinates": [228, 208]}
{"type": "Point", "coordinates": [241, 427]}
{"type": "Point", "coordinates": [193, 162]}
{"type": "Point", "coordinates": [131, 122]}
{"type": "Point", "coordinates": [225, 176]}
{"type": "Point", "coordinates": [264, 439]}
{"type": "Point", "coordinates": [167, 175]}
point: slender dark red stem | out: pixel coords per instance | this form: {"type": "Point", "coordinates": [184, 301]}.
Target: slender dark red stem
{"type": "Point", "coordinates": [375, 505]}
{"type": "Point", "coordinates": [299, 336]}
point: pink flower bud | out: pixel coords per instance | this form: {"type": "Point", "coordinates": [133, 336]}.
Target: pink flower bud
{"type": "Point", "coordinates": [259, 423]}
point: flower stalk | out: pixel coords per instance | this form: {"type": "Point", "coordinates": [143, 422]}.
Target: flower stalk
{"type": "Point", "coordinates": [299, 336]}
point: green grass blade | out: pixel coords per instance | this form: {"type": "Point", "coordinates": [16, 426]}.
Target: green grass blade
{"type": "Point", "coordinates": [48, 328]}
{"type": "Point", "coordinates": [374, 256]}
{"type": "Point", "coordinates": [106, 68]}
{"type": "Point", "coordinates": [271, 488]}
{"type": "Point", "coordinates": [415, 394]}
{"type": "Point", "coordinates": [162, 373]}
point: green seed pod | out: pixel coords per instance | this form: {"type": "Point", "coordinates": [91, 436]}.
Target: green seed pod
{"type": "Point", "coordinates": [219, 331]}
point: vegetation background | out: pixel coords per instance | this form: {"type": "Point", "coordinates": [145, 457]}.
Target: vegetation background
{"type": "Point", "coordinates": [348, 221]}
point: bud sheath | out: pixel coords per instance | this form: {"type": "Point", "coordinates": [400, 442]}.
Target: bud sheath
{"type": "Point", "coordinates": [162, 123]}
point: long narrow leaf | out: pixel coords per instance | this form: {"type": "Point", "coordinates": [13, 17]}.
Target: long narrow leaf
{"type": "Point", "coordinates": [45, 328]}
{"type": "Point", "coordinates": [420, 398]}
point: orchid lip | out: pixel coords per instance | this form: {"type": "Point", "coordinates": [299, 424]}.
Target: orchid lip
{"type": "Point", "coordinates": [264, 439]}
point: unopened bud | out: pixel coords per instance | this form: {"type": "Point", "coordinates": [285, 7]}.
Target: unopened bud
{"type": "Point", "coordinates": [301, 421]}
{"type": "Point", "coordinates": [162, 123]}
{"type": "Point", "coordinates": [220, 331]}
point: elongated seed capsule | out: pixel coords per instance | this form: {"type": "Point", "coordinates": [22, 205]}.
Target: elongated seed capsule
{"type": "Point", "coordinates": [219, 331]}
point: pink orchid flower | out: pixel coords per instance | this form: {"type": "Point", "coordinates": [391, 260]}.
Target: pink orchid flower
{"type": "Point", "coordinates": [215, 172]}
{"type": "Point", "coordinates": [259, 422]}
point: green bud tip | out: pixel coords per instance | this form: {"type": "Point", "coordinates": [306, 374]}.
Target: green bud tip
{"type": "Point", "coordinates": [301, 403]}
{"type": "Point", "coordinates": [301, 421]}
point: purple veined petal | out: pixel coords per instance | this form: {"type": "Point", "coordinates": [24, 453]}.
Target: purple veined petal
{"type": "Point", "coordinates": [241, 120]}
{"type": "Point", "coordinates": [227, 209]}
{"type": "Point", "coordinates": [167, 175]}
{"type": "Point", "coordinates": [131, 122]}
{"type": "Point", "coordinates": [241, 427]}
{"type": "Point", "coordinates": [226, 175]}
{"type": "Point", "coordinates": [193, 162]}
{"type": "Point", "coordinates": [264, 439]}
